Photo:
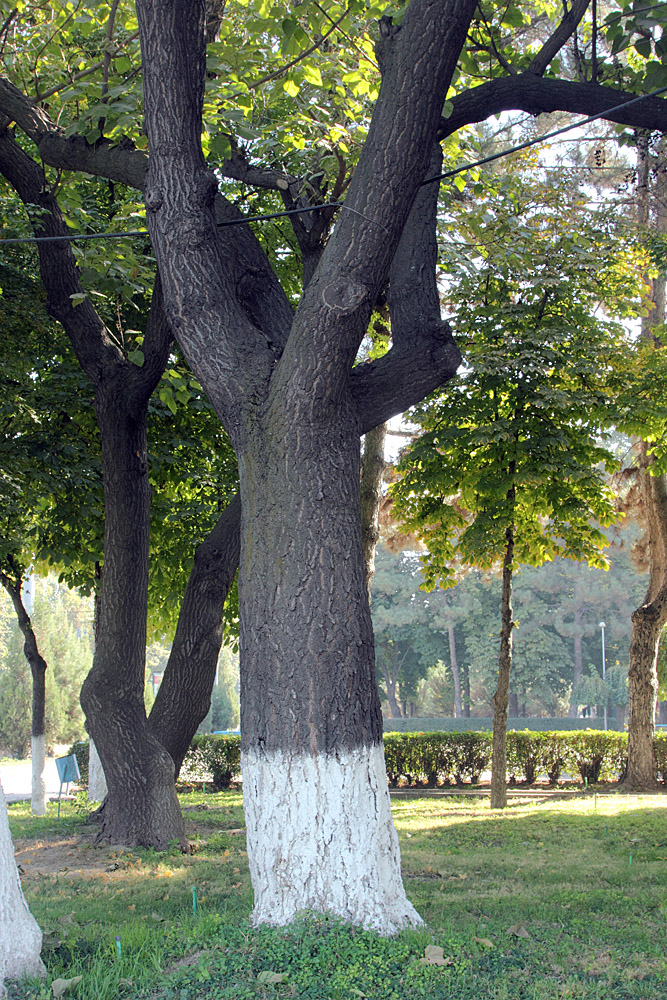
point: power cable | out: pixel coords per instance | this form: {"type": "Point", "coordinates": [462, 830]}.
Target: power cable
{"type": "Point", "coordinates": [339, 204]}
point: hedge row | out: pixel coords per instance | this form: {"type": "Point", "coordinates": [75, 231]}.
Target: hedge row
{"type": "Point", "coordinates": [485, 724]}
{"type": "Point", "coordinates": [445, 758]}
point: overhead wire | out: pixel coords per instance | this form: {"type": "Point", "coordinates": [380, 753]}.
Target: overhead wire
{"type": "Point", "coordinates": [339, 204]}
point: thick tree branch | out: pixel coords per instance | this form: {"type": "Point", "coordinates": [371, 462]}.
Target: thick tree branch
{"type": "Point", "coordinates": [255, 283]}
{"type": "Point", "coordinates": [194, 653]}
{"type": "Point", "coordinates": [537, 95]}
{"type": "Point", "coordinates": [557, 40]}
{"type": "Point", "coordinates": [423, 355]}
{"type": "Point", "coordinates": [417, 62]}
{"type": "Point", "coordinates": [92, 342]}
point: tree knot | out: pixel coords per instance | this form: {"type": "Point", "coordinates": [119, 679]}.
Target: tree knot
{"type": "Point", "coordinates": [153, 199]}
{"type": "Point", "coordinates": [343, 296]}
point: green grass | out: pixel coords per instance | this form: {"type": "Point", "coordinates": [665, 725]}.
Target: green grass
{"type": "Point", "coordinates": [538, 902]}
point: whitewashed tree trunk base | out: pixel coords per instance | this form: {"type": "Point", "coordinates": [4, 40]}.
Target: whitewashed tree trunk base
{"type": "Point", "coordinates": [38, 757]}
{"type": "Point", "coordinates": [321, 838]}
{"type": "Point", "coordinates": [97, 783]}
{"type": "Point", "coordinates": [20, 936]}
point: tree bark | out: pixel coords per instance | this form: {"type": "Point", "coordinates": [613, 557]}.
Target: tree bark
{"type": "Point", "coordinates": [38, 667]}
{"type": "Point", "coordinates": [319, 829]}
{"type": "Point", "coordinates": [500, 698]}
{"type": "Point", "coordinates": [648, 620]}
{"type": "Point", "coordinates": [141, 805]}
{"type": "Point", "coordinates": [20, 936]}
{"type": "Point", "coordinates": [456, 676]}
{"type": "Point", "coordinates": [184, 696]}
{"type": "Point", "coordinates": [372, 469]}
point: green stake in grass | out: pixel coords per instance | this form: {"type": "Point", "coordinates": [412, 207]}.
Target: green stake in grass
{"type": "Point", "coordinates": [630, 860]}
{"type": "Point", "coordinates": [595, 801]}
{"type": "Point", "coordinates": [605, 831]}
{"type": "Point", "coordinates": [118, 947]}
{"type": "Point", "coordinates": [194, 900]}
{"type": "Point", "coordinates": [586, 783]}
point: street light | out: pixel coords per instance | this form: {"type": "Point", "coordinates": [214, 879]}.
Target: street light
{"type": "Point", "coordinates": [604, 674]}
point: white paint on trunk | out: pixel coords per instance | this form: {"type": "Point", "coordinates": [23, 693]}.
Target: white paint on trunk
{"type": "Point", "coordinates": [20, 937]}
{"type": "Point", "coordinates": [321, 838]}
{"type": "Point", "coordinates": [38, 757]}
{"type": "Point", "coordinates": [97, 783]}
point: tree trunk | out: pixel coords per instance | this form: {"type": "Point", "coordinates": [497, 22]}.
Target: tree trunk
{"type": "Point", "coordinates": [20, 936]}
{"type": "Point", "coordinates": [643, 684]}
{"type": "Point", "coordinates": [501, 697]}
{"type": "Point", "coordinates": [141, 806]}
{"type": "Point", "coordinates": [390, 684]}
{"type": "Point", "coordinates": [513, 705]}
{"type": "Point", "coordinates": [648, 620]}
{"type": "Point", "coordinates": [97, 783]}
{"type": "Point", "coordinates": [372, 468]}
{"type": "Point", "coordinates": [184, 696]}
{"type": "Point", "coordinates": [456, 676]}
{"type": "Point", "coordinates": [319, 831]}
{"type": "Point", "coordinates": [578, 664]}
{"type": "Point", "coordinates": [37, 665]}
{"type": "Point", "coordinates": [466, 691]}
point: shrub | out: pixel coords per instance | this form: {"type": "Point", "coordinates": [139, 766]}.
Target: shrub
{"type": "Point", "coordinates": [597, 754]}
{"type": "Point", "coordinates": [524, 755]}
{"type": "Point", "coordinates": [660, 749]}
{"type": "Point", "coordinates": [82, 751]}
{"type": "Point", "coordinates": [213, 758]}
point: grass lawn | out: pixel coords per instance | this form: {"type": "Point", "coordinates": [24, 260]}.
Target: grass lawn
{"type": "Point", "coordinates": [552, 898]}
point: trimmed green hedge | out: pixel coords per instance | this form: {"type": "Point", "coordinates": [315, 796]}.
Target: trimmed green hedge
{"type": "Point", "coordinates": [484, 725]}
{"type": "Point", "coordinates": [436, 758]}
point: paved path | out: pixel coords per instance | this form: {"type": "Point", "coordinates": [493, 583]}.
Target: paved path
{"type": "Point", "coordinates": [17, 780]}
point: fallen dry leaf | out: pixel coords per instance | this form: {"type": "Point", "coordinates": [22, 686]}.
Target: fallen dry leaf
{"type": "Point", "coordinates": [271, 977]}
{"type": "Point", "coordinates": [61, 986]}
{"type": "Point", "coordinates": [434, 955]}
{"type": "Point", "coordinates": [518, 930]}
{"type": "Point", "coordinates": [485, 941]}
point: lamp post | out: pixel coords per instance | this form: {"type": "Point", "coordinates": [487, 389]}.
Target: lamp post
{"type": "Point", "coordinates": [604, 673]}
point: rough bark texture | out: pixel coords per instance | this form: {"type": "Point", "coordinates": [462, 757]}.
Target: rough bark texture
{"type": "Point", "coordinates": [311, 820]}
{"type": "Point", "coordinates": [20, 937]}
{"type": "Point", "coordinates": [372, 469]}
{"type": "Point", "coordinates": [500, 698]}
{"type": "Point", "coordinates": [38, 667]}
{"type": "Point", "coordinates": [141, 806]}
{"type": "Point", "coordinates": [648, 620]}
{"type": "Point", "coordinates": [97, 783]}
{"type": "Point", "coordinates": [184, 696]}
{"type": "Point", "coordinates": [647, 624]}
{"type": "Point", "coordinates": [295, 413]}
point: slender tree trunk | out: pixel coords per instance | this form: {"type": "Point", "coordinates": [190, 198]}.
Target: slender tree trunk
{"type": "Point", "coordinates": [37, 665]}
{"type": "Point", "coordinates": [20, 936]}
{"type": "Point", "coordinates": [513, 705]}
{"type": "Point", "coordinates": [390, 684]}
{"type": "Point", "coordinates": [578, 663]}
{"type": "Point", "coordinates": [466, 691]}
{"type": "Point", "coordinates": [141, 806]}
{"type": "Point", "coordinates": [500, 698]}
{"type": "Point", "coordinates": [184, 696]}
{"type": "Point", "coordinates": [456, 675]}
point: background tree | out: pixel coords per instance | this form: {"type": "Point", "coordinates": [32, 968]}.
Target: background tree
{"type": "Point", "coordinates": [506, 466]}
